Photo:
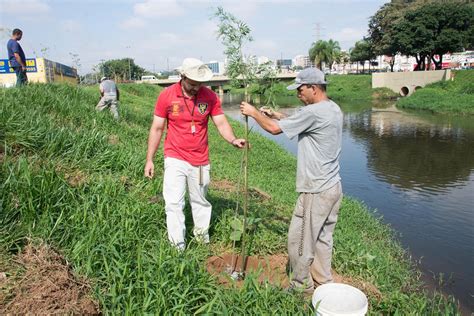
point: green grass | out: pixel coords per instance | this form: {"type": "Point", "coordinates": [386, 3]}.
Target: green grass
{"type": "Point", "coordinates": [446, 97]}
{"type": "Point", "coordinates": [73, 177]}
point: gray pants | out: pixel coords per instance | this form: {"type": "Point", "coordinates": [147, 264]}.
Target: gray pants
{"type": "Point", "coordinates": [310, 237]}
{"type": "Point", "coordinates": [108, 102]}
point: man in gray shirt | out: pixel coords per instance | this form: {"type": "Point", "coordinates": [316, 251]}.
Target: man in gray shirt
{"type": "Point", "coordinates": [318, 126]}
{"type": "Point", "coordinates": [109, 96]}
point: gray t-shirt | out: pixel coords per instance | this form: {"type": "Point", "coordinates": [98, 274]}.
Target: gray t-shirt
{"type": "Point", "coordinates": [319, 130]}
{"type": "Point", "coordinates": [109, 88]}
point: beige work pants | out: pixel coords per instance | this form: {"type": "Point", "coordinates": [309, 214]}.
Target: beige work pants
{"type": "Point", "coordinates": [310, 237]}
{"type": "Point", "coordinates": [109, 102]}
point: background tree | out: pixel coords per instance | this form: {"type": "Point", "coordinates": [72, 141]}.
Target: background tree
{"type": "Point", "coordinates": [324, 52]}
{"type": "Point", "coordinates": [361, 52]}
{"type": "Point", "coordinates": [434, 29]}
{"type": "Point", "coordinates": [381, 28]}
{"type": "Point", "coordinates": [121, 69]}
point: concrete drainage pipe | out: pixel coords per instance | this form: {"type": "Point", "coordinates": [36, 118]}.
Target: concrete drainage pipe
{"type": "Point", "coordinates": [404, 91]}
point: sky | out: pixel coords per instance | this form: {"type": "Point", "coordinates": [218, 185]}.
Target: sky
{"type": "Point", "coordinates": [159, 34]}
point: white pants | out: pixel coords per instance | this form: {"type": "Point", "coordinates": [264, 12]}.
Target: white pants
{"type": "Point", "coordinates": [178, 174]}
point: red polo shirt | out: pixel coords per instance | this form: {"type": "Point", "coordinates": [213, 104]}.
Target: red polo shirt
{"type": "Point", "coordinates": [180, 112]}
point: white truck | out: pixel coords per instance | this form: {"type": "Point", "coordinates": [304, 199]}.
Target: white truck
{"type": "Point", "coordinates": [148, 77]}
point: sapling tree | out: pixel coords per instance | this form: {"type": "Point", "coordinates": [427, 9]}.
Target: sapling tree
{"type": "Point", "coordinates": [234, 33]}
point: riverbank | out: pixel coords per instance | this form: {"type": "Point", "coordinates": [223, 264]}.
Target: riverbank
{"type": "Point", "coordinates": [340, 87]}
{"type": "Point", "coordinates": [73, 178]}
{"type": "Point", "coordinates": [444, 97]}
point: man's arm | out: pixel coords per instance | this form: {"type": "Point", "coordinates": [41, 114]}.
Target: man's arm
{"type": "Point", "coordinates": [19, 61]}
{"type": "Point", "coordinates": [154, 139]}
{"type": "Point", "coordinates": [265, 122]}
{"type": "Point", "coordinates": [272, 113]}
{"type": "Point", "coordinates": [226, 131]}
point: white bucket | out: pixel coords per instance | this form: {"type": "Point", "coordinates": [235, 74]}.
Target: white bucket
{"type": "Point", "coordinates": [337, 299]}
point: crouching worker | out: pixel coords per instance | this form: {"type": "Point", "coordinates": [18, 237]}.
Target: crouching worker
{"type": "Point", "coordinates": [185, 108]}
{"type": "Point", "coordinates": [318, 126]}
{"type": "Point", "coordinates": [109, 96]}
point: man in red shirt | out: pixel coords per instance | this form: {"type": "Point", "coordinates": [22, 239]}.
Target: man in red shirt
{"type": "Point", "coordinates": [185, 108]}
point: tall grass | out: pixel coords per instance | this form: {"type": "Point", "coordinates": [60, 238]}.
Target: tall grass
{"type": "Point", "coordinates": [73, 177]}
{"type": "Point", "coordinates": [449, 97]}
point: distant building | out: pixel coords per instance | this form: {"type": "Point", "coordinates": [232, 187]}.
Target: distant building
{"type": "Point", "coordinates": [284, 63]}
{"type": "Point", "coordinates": [302, 61]}
{"type": "Point", "coordinates": [38, 70]}
{"type": "Point", "coordinates": [216, 67]}
{"type": "Point", "coordinates": [461, 60]}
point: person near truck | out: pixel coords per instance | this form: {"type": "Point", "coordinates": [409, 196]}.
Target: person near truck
{"type": "Point", "coordinates": [16, 57]}
{"type": "Point", "coordinates": [109, 96]}
{"type": "Point", "coordinates": [318, 128]}
{"type": "Point", "coordinates": [184, 109]}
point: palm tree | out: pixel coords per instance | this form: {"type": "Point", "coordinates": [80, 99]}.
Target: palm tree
{"type": "Point", "coordinates": [335, 50]}
{"type": "Point", "coordinates": [324, 52]}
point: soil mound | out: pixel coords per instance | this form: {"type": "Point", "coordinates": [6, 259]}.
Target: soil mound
{"type": "Point", "coordinates": [42, 283]}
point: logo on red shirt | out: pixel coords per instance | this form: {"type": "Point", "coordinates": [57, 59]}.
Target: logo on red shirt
{"type": "Point", "coordinates": [175, 108]}
{"type": "Point", "coordinates": [202, 107]}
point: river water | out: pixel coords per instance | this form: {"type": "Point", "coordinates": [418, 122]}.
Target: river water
{"type": "Point", "coordinates": [417, 171]}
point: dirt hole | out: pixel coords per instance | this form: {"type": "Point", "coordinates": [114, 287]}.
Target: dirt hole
{"type": "Point", "coordinates": [271, 269]}
{"type": "Point", "coordinates": [228, 186]}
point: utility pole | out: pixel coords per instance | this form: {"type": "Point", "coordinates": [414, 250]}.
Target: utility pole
{"type": "Point", "coordinates": [129, 67]}
{"type": "Point", "coordinates": [103, 67]}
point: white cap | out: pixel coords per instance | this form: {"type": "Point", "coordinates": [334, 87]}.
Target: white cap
{"type": "Point", "coordinates": [195, 69]}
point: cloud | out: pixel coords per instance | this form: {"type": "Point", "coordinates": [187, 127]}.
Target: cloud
{"type": "Point", "coordinates": [348, 34]}
{"type": "Point", "coordinates": [242, 9]}
{"type": "Point", "coordinates": [206, 30]}
{"type": "Point", "coordinates": [156, 8]}
{"type": "Point", "coordinates": [170, 39]}
{"type": "Point", "coordinates": [71, 26]}
{"type": "Point", "coordinates": [292, 22]}
{"type": "Point", "coordinates": [264, 45]}
{"type": "Point", "coordinates": [133, 23]}
{"type": "Point", "coordinates": [24, 7]}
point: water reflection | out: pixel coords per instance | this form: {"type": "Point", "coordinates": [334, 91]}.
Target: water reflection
{"type": "Point", "coordinates": [411, 152]}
